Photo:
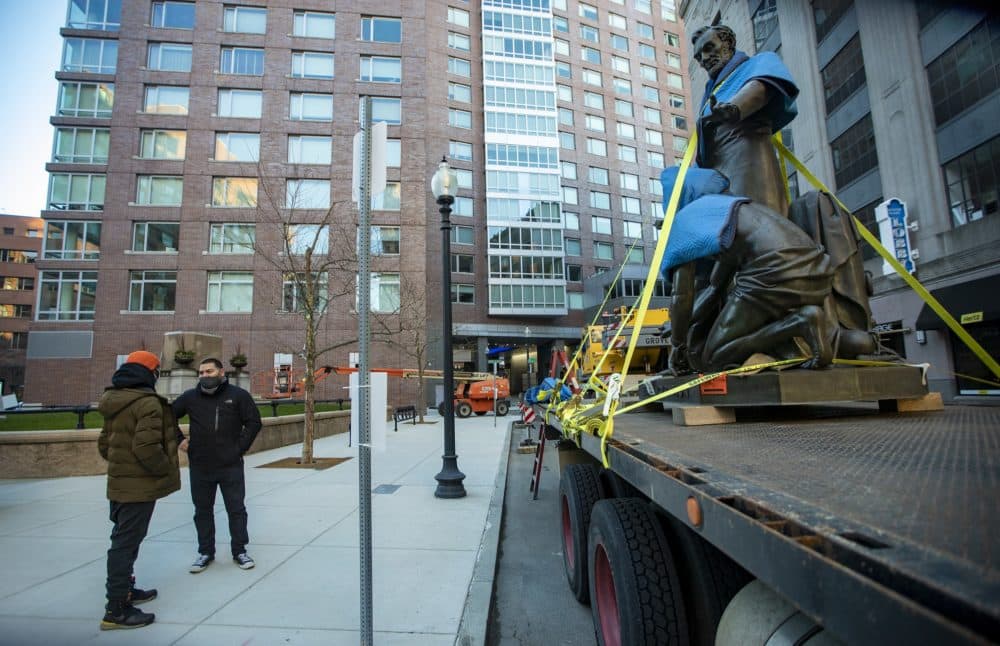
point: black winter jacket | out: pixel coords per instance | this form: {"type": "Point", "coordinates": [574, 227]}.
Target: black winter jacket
{"type": "Point", "coordinates": [223, 425]}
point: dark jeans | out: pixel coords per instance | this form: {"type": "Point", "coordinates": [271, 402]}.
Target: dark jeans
{"type": "Point", "coordinates": [131, 521]}
{"type": "Point", "coordinates": [204, 481]}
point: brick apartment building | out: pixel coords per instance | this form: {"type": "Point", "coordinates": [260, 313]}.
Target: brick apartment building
{"type": "Point", "coordinates": [20, 242]}
{"type": "Point", "coordinates": [192, 138]}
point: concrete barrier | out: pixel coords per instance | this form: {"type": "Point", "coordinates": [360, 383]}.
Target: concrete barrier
{"type": "Point", "coordinates": [56, 454]}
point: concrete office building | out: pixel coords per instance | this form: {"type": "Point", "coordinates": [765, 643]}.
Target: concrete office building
{"type": "Point", "coordinates": [192, 138]}
{"type": "Point", "coordinates": [899, 99]}
{"type": "Point", "coordinates": [20, 242]}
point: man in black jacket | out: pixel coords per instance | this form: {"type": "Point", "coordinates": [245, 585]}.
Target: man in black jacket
{"type": "Point", "coordinates": [223, 424]}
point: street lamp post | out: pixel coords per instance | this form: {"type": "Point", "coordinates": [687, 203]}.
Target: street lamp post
{"type": "Point", "coordinates": [450, 479]}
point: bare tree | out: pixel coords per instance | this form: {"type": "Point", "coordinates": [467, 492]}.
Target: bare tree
{"type": "Point", "coordinates": [317, 269]}
{"type": "Point", "coordinates": [406, 331]}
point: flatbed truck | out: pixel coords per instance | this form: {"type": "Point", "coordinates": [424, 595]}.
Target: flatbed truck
{"type": "Point", "coordinates": [829, 524]}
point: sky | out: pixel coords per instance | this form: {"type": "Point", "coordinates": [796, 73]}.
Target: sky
{"type": "Point", "coordinates": [30, 33]}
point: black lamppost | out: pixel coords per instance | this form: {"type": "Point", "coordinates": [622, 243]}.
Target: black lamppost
{"type": "Point", "coordinates": [443, 186]}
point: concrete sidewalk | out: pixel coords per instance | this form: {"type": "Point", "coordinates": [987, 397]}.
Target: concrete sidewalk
{"type": "Point", "coordinates": [432, 559]}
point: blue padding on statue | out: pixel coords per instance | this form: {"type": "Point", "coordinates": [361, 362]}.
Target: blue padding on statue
{"type": "Point", "coordinates": [768, 68]}
{"type": "Point", "coordinates": [701, 229]}
{"type": "Point", "coordinates": [697, 182]}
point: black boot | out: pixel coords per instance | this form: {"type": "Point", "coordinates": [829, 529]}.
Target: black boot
{"type": "Point", "coordinates": [138, 595]}
{"type": "Point", "coordinates": [122, 614]}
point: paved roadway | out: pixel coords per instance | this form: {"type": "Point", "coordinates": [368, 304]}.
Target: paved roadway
{"type": "Point", "coordinates": [532, 603]}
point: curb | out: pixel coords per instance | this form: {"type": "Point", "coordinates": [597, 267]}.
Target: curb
{"type": "Point", "coordinates": [476, 613]}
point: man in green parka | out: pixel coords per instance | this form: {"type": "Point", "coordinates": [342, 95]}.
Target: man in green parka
{"type": "Point", "coordinates": [139, 441]}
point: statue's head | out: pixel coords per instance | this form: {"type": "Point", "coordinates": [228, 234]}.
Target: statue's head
{"type": "Point", "coordinates": [713, 47]}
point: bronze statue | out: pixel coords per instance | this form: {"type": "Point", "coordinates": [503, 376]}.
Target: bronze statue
{"type": "Point", "coordinates": [746, 100]}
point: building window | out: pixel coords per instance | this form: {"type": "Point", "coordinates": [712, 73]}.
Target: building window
{"type": "Point", "coordinates": [570, 195]}
{"type": "Point", "coordinates": [680, 143]}
{"type": "Point", "coordinates": [229, 291]}
{"type": "Point", "coordinates": [567, 169]}
{"type": "Point", "coordinates": [655, 159]}
{"type": "Point", "coordinates": [384, 292]}
{"type": "Point", "coordinates": [231, 237]}
{"type": "Point", "coordinates": [595, 123]}
{"type": "Point", "coordinates": [590, 55]}
{"type": "Point", "coordinates": [628, 181]}
{"type": "Point", "coordinates": [237, 146]}
{"type": "Point", "coordinates": [625, 130]}
{"type": "Point", "coordinates": [81, 145]}
{"type": "Point", "coordinates": [573, 247]}
{"type": "Point", "coordinates": [600, 200]}
{"type": "Point", "coordinates": [622, 86]}
{"type": "Point", "coordinates": [76, 192]}
{"type": "Point", "coordinates": [654, 138]}
{"type": "Point", "coordinates": [973, 183]}
{"type": "Point", "coordinates": [765, 22]}
{"type": "Point", "coordinates": [559, 23]}
{"type": "Point", "coordinates": [675, 81]}
{"type": "Point", "coordinates": [967, 72]}
{"type": "Point", "coordinates": [590, 34]}
{"type": "Point", "coordinates": [459, 118]}
{"type": "Point", "coordinates": [574, 273]}
{"type": "Point", "coordinates": [844, 74]}
{"type": "Point", "coordinates": [13, 340]}
{"type": "Point", "coordinates": [381, 30]}
{"type": "Point", "coordinates": [67, 296]}
{"type": "Point", "coordinates": [68, 240]}
{"type": "Point", "coordinates": [462, 263]}
{"type": "Point", "coordinates": [294, 290]}
{"type": "Point", "coordinates": [601, 225]}
{"type": "Point", "coordinates": [627, 153]}
{"type": "Point", "coordinates": [242, 60]}
{"type": "Point", "coordinates": [158, 190]}
{"type": "Point", "coordinates": [464, 294]}
{"type": "Point", "coordinates": [564, 70]}
{"type": "Point", "coordinates": [678, 123]}
{"type": "Point", "coordinates": [103, 15]}
{"type": "Point", "coordinates": [172, 15]}
{"type": "Point", "coordinates": [18, 256]}
{"type": "Point", "coordinates": [234, 192]}
{"type": "Point", "coordinates": [459, 92]}
{"type": "Point", "coordinates": [458, 17]}
{"type": "Point", "coordinates": [668, 10]}
{"type": "Point", "coordinates": [624, 108]}
{"type": "Point", "coordinates": [644, 6]}
{"type": "Point", "coordinates": [650, 94]}
{"type": "Point", "coordinates": [152, 291]}
{"type": "Point", "coordinates": [12, 283]}
{"type": "Point", "coordinates": [155, 237]}
{"type": "Point", "coordinates": [460, 151]}
{"type": "Point", "coordinates": [645, 31]}
{"type": "Point", "coordinates": [384, 241]}
{"type": "Point", "coordinates": [300, 238]}
{"type": "Point", "coordinates": [86, 99]}
{"type": "Point", "coordinates": [676, 102]}
{"type": "Point", "coordinates": [619, 42]}
{"type": "Point", "coordinates": [631, 205]}
{"type": "Point", "coordinates": [562, 47]}
{"type": "Point", "coordinates": [597, 147]}
{"type": "Point", "coordinates": [307, 194]}
{"type": "Point", "coordinates": [92, 55]}
{"type": "Point", "coordinates": [633, 229]}
{"type": "Point", "coordinates": [462, 206]}
{"type": "Point", "coordinates": [386, 109]}
{"type": "Point", "coordinates": [315, 65]}
{"type": "Point", "coordinates": [827, 13]}
{"type": "Point", "coordinates": [169, 57]}
{"type": "Point", "coordinates": [390, 198]}
{"type": "Point", "coordinates": [462, 235]}
{"type": "Point", "coordinates": [245, 20]}
{"type": "Point", "coordinates": [309, 149]}
{"type": "Point", "coordinates": [588, 11]}
{"type": "Point", "coordinates": [240, 103]}
{"type": "Point", "coordinates": [162, 144]}
{"type": "Point", "coordinates": [463, 177]}
{"type": "Point", "coordinates": [598, 176]}
{"type": "Point", "coordinates": [674, 61]}
{"type": "Point", "coordinates": [460, 42]}
{"type": "Point", "coordinates": [313, 24]}
{"type": "Point", "coordinates": [459, 67]}
{"type": "Point", "coordinates": [652, 115]}
{"type": "Point", "coordinates": [310, 107]}
{"type": "Point", "coordinates": [636, 256]}
{"type": "Point", "coordinates": [854, 152]}
{"type": "Point", "coordinates": [165, 99]}
{"type": "Point", "coordinates": [604, 251]}
{"type": "Point", "coordinates": [592, 78]}
{"type": "Point", "coordinates": [381, 69]}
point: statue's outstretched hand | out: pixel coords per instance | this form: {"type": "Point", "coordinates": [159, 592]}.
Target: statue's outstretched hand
{"type": "Point", "coordinates": [720, 113]}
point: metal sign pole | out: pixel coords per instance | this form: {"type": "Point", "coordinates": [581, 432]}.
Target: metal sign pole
{"type": "Point", "coordinates": [364, 390]}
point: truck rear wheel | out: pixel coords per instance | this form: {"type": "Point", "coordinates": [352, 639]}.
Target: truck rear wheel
{"type": "Point", "coordinates": [709, 580]}
{"type": "Point", "coordinates": [502, 408]}
{"type": "Point", "coordinates": [634, 589]}
{"type": "Point", "coordinates": [463, 409]}
{"type": "Point", "coordinates": [579, 489]}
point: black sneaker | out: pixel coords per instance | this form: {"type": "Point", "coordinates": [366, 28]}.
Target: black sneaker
{"type": "Point", "coordinates": [122, 614]}
{"type": "Point", "coordinates": [244, 561]}
{"type": "Point", "coordinates": [201, 563]}
{"type": "Point", "coordinates": [138, 595]}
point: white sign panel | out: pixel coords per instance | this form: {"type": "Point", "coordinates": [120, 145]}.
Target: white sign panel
{"type": "Point", "coordinates": [893, 232]}
{"type": "Point", "coordinates": [379, 399]}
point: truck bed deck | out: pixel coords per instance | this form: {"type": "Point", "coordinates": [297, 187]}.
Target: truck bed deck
{"type": "Point", "coordinates": [895, 516]}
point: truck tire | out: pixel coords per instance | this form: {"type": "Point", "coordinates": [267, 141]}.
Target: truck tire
{"type": "Point", "coordinates": [441, 409]}
{"type": "Point", "coordinates": [579, 489]}
{"type": "Point", "coordinates": [502, 408]}
{"type": "Point", "coordinates": [709, 579]}
{"type": "Point", "coordinates": [634, 588]}
{"type": "Point", "coordinates": [463, 409]}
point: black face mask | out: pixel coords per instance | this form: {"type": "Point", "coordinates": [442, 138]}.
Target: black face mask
{"type": "Point", "coordinates": [209, 384]}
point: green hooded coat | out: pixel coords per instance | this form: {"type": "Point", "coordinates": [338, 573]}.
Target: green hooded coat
{"type": "Point", "coordinates": [139, 442]}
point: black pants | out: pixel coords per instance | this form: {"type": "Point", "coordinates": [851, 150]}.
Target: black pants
{"type": "Point", "coordinates": [204, 481]}
{"type": "Point", "coordinates": [131, 521]}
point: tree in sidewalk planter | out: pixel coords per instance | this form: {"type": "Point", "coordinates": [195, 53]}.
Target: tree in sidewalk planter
{"type": "Point", "coordinates": [318, 266]}
{"type": "Point", "coordinates": [406, 331]}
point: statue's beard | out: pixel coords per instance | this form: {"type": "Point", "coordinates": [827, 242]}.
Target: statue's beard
{"type": "Point", "coordinates": [714, 64]}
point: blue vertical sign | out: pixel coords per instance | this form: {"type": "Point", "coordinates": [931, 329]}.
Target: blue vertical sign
{"type": "Point", "coordinates": [893, 231]}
